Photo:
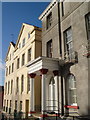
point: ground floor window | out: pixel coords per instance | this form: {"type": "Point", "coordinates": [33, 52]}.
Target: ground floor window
{"type": "Point", "coordinates": [16, 105]}
{"type": "Point", "coordinates": [20, 105]}
{"type": "Point", "coordinates": [52, 94]}
{"type": "Point", "coordinates": [72, 97]}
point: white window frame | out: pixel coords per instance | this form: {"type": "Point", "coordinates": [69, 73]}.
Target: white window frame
{"type": "Point", "coordinates": [49, 20]}
{"type": "Point", "coordinates": [88, 25]}
{"type": "Point", "coordinates": [68, 41]}
{"type": "Point", "coordinates": [23, 42]}
{"type": "Point", "coordinates": [71, 89]}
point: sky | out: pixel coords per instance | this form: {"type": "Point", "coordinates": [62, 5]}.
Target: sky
{"type": "Point", "coordinates": [13, 15]}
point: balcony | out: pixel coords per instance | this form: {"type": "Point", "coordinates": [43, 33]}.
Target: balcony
{"type": "Point", "coordinates": [71, 57]}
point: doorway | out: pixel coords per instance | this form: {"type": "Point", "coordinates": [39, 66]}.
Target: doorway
{"type": "Point", "coordinates": [27, 108]}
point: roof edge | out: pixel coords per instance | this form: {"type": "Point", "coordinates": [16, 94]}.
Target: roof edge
{"type": "Point", "coordinates": [47, 9]}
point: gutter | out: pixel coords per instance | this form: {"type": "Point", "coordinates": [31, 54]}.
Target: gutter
{"type": "Point", "coordinates": [61, 67]}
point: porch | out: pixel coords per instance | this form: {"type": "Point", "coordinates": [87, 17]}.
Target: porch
{"type": "Point", "coordinates": [49, 70]}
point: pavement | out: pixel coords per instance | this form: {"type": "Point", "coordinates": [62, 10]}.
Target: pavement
{"type": "Point", "coordinates": [0, 114]}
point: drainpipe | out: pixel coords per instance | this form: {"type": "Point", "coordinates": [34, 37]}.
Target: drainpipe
{"type": "Point", "coordinates": [59, 29]}
{"type": "Point", "coordinates": [61, 68]}
{"type": "Point", "coordinates": [62, 98]}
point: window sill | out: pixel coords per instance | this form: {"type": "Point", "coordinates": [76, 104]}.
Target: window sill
{"type": "Point", "coordinates": [71, 106]}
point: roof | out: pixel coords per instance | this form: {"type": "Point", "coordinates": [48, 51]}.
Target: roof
{"type": "Point", "coordinates": [11, 43]}
{"type": "Point", "coordinates": [49, 7]}
{"type": "Point", "coordinates": [21, 31]}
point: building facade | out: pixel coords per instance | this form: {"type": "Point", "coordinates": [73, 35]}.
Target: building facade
{"type": "Point", "coordinates": [17, 84]}
{"type": "Point", "coordinates": [65, 64]}
{"type": "Point", "coordinates": [1, 96]}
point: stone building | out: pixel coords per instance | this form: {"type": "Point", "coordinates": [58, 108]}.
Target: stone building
{"type": "Point", "coordinates": [17, 83]}
{"type": "Point", "coordinates": [64, 65]}
{"type": "Point", "coordinates": [59, 78]}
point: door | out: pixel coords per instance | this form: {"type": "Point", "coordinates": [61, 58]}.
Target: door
{"type": "Point", "coordinates": [27, 108]}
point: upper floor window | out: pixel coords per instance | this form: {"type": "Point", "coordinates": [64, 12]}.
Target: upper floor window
{"type": "Point", "coordinates": [88, 25]}
{"type": "Point", "coordinates": [68, 41]}
{"type": "Point", "coordinates": [72, 98]}
{"type": "Point", "coordinates": [11, 86]}
{"type": "Point", "coordinates": [17, 85]}
{"type": "Point", "coordinates": [6, 71]}
{"type": "Point", "coordinates": [49, 20]}
{"type": "Point", "coordinates": [5, 88]}
{"type": "Point", "coordinates": [12, 67]}
{"type": "Point", "coordinates": [15, 104]}
{"type": "Point", "coordinates": [10, 56]}
{"type": "Point", "coordinates": [19, 45]}
{"type": "Point", "coordinates": [23, 42]}
{"type": "Point", "coordinates": [18, 63]}
{"type": "Point", "coordinates": [22, 83]}
{"type": "Point", "coordinates": [28, 35]}
{"type": "Point", "coordinates": [9, 69]}
{"type": "Point", "coordinates": [23, 59]}
{"type": "Point", "coordinates": [4, 102]}
{"type": "Point", "coordinates": [29, 54]}
{"type": "Point", "coordinates": [8, 87]}
{"type": "Point", "coordinates": [28, 84]}
{"type": "Point", "coordinates": [49, 48]}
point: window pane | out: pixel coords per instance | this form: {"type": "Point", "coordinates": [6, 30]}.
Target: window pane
{"type": "Point", "coordinates": [17, 87]}
{"type": "Point", "coordinates": [49, 20]}
{"type": "Point", "coordinates": [29, 54]}
{"type": "Point", "coordinates": [12, 67]}
{"type": "Point", "coordinates": [28, 35]}
{"type": "Point", "coordinates": [49, 48]}
{"type": "Point", "coordinates": [23, 59]}
{"type": "Point", "coordinates": [10, 103]}
{"type": "Point", "coordinates": [28, 84]}
{"type": "Point", "coordinates": [23, 43]}
{"type": "Point", "coordinates": [72, 89]}
{"type": "Point", "coordinates": [18, 63]}
{"type": "Point", "coordinates": [15, 105]}
{"type": "Point", "coordinates": [20, 105]}
{"type": "Point", "coordinates": [68, 41]}
{"type": "Point", "coordinates": [22, 83]}
{"type": "Point", "coordinates": [88, 25]}
{"type": "Point", "coordinates": [89, 21]}
{"type": "Point", "coordinates": [11, 86]}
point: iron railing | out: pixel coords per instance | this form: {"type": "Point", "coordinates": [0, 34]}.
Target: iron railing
{"type": "Point", "coordinates": [71, 57]}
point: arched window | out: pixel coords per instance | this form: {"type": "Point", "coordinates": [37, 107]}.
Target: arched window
{"type": "Point", "coordinates": [72, 98]}
{"type": "Point", "coordinates": [52, 81]}
{"type": "Point", "coordinates": [51, 94]}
